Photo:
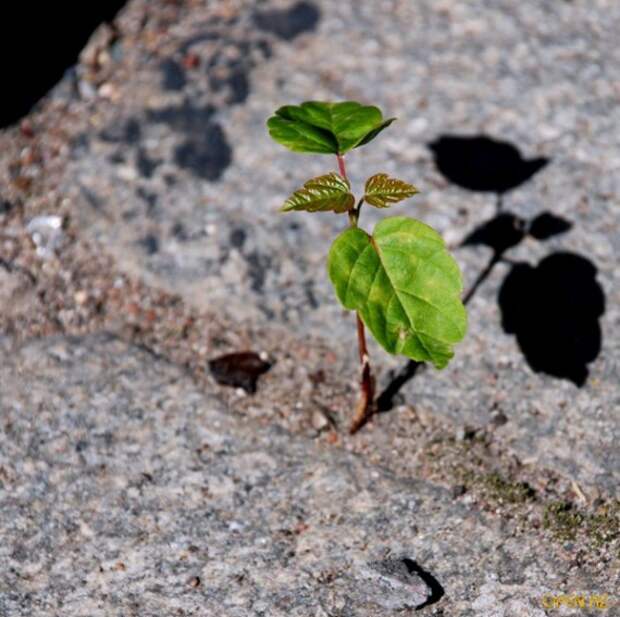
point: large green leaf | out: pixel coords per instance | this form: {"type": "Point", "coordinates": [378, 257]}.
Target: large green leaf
{"type": "Point", "coordinates": [328, 192]}
{"type": "Point", "coordinates": [321, 127]}
{"type": "Point", "coordinates": [381, 191]}
{"type": "Point", "coordinates": [405, 286]}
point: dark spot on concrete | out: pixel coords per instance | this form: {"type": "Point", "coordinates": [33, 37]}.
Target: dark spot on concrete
{"type": "Point", "coordinates": [173, 75]}
{"type": "Point", "coordinates": [207, 154]}
{"type": "Point", "coordinates": [186, 117]}
{"type": "Point", "coordinates": [170, 180]}
{"type": "Point", "coordinates": [179, 232]}
{"type": "Point", "coordinates": [80, 145]}
{"type": "Point", "coordinates": [238, 237]}
{"type": "Point", "coordinates": [258, 264]}
{"type": "Point", "coordinates": [146, 165]}
{"type": "Point", "coordinates": [92, 199]}
{"type": "Point", "coordinates": [130, 132]}
{"type": "Point", "coordinates": [265, 49]}
{"type": "Point", "coordinates": [150, 243]}
{"type": "Point", "coordinates": [309, 291]}
{"type": "Point", "coordinates": [239, 87]}
{"type": "Point", "coordinates": [20, 553]}
{"type": "Point", "coordinates": [133, 131]}
{"type": "Point", "coordinates": [236, 82]}
{"type": "Point", "coordinates": [148, 197]}
{"type": "Point", "coordinates": [288, 23]}
{"type": "Point", "coordinates": [458, 491]}
{"type": "Point", "coordinates": [5, 206]}
{"type": "Point", "coordinates": [116, 158]}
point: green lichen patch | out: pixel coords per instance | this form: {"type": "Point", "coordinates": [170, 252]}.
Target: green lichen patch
{"type": "Point", "coordinates": [599, 527]}
{"type": "Point", "coordinates": [506, 491]}
{"type": "Point", "coordinates": [563, 520]}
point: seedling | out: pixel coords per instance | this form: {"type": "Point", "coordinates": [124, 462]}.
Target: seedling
{"type": "Point", "coordinates": [402, 283]}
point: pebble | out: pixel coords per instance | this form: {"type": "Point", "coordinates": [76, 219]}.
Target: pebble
{"type": "Point", "coordinates": [319, 421]}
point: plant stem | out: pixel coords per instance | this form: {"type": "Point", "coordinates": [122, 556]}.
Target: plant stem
{"type": "Point", "coordinates": [341, 168]}
{"type": "Point", "coordinates": [363, 409]}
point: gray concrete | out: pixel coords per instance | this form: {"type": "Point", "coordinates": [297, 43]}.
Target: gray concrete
{"type": "Point", "coordinates": [125, 490]}
{"type": "Point", "coordinates": [132, 486]}
{"type": "Point", "coordinates": [541, 76]}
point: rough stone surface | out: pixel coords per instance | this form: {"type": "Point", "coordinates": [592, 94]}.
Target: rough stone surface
{"type": "Point", "coordinates": [132, 484]}
{"type": "Point", "coordinates": [125, 490]}
{"type": "Point", "coordinates": [188, 182]}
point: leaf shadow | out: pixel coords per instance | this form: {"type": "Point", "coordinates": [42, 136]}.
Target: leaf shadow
{"type": "Point", "coordinates": [565, 283]}
{"type": "Point", "coordinates": [553, 310]}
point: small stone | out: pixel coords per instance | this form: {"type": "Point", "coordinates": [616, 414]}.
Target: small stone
{"type": "Point", "coordinates": [109, 91]}
{"type": "Point", "coordinates": [332, 438]}
{"type": "Point", "coordinates": [47, 234]}
{"type": "Point", "coordinates": [191, 60]}
{"type": "Point", "coordinates": [317, 377]}
{"type": "Point", "coordinates": [126, 172]}
{"type": "Point", "coordinates": [80, 297]}
{"type": "Point", "coordinates": [498, 418]}
{"type": "Point", "coordinates": [319, 421]}
{"type": "Point", "coordinates": [240, 370]}
{"type": "Point", "coordinates": [464, 433]}
{"type": "Point", "coordinates": [86, 89]}
{"type": "Point", "coordinates": [459, 490]}
{"type": "Point", "coordinates": [194, 582]}
{"type": "Point", "coordinates": [394, 584]}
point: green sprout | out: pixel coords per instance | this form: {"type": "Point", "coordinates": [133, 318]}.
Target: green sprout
{"type": "Point", "coordinates": [400, 280]}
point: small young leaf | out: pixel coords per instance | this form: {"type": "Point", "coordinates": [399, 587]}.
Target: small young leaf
{"type": "Point", "coordinates": [405, 286]}
{"type": "Point", "coordinates": [328, 192]}
{"type": "Point", "coordinates": [381, 190]}
{"type": "Point", "coordinates": [321, 127]}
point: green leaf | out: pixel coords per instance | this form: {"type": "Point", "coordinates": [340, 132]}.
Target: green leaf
{"type": "Point", "coordinates": [381, 190]}
{"type": "Point", "coordinates": [375, 132]}
{"type": "Point", "coordinates": [301, 137]}
{"type": "Point", "coordinates": [321, 127]}
{"type": "Point", "coordinates": [405, 286]}
{"type": "Point", "coordinates": [328, 192]}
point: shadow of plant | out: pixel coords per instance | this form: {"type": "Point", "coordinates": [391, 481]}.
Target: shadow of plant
{"type": "Point", "coordinates": [552, 308]}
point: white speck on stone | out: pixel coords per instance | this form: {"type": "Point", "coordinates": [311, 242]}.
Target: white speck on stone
{"type": "Point", "coordinates": [46, 233]}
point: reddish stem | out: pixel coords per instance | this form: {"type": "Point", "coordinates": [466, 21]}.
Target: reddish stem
{"type": "Point", "coordinates": [361, 340]}
{"type": "Point", "coordinates": [363, 409]}
{"type": "Point", "coordinates": [341, 167]}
